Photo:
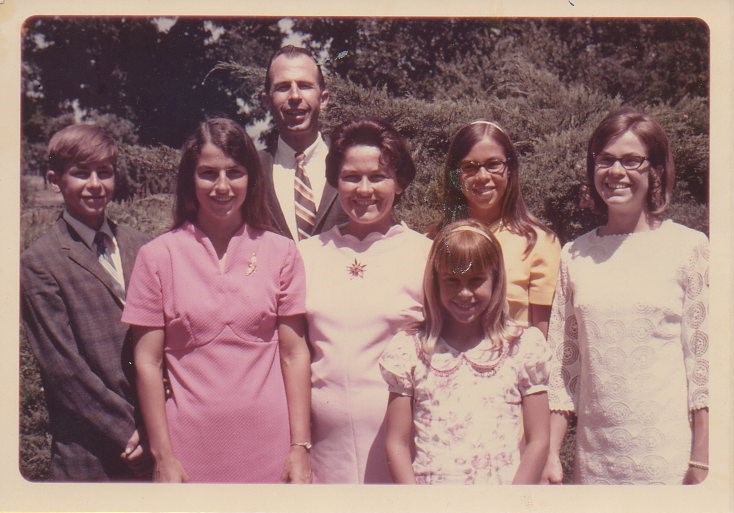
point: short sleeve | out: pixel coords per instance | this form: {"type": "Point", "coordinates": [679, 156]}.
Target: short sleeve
{"type": "Point", "coordinates": [144, 297]}
{"type": "Point", "coordinates": [694, 331]}
{"type": "Point", "coordinates": [544, 260]}
{"type": "Point", "coordinates": [564, 344]}
{"type": "Point", "coordinates": [534, 358]}
{"type": "Point", "coordinates": [398, 363]}
{"type": "Point", "coordinates": [292, 291]}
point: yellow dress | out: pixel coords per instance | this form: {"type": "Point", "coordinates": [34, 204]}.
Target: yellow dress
{"type": "Point", "coordinates": [531, 279]}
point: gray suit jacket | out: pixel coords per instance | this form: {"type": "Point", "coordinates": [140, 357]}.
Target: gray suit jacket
{"type": "Point", "coordinates": [71, 316]}
{"type": "Point", "coordinates": [328, 214]}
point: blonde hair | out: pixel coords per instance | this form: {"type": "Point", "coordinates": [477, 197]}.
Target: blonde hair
{"type": "Point", "coordinates": [457, 248]}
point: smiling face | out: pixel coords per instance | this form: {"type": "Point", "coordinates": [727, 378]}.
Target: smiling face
{"type": "Point", "coordinates": [367, 191]}
{"type": "Point", "coordinates": [87, 188]}
{"type": "Point", "coordinates": [220, 184]}
{"type": "Point", "coordinates": [295, 99]}
{"type": "Point", "coordinates": [623, 191]}
{"type": "Point", "coordinates": [483, 190]}
{"type": "Point", "coordinates": [464, 298]}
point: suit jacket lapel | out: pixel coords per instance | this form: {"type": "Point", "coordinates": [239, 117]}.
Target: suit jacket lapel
{"type": "Point", "coordinates": [80, 254]}
{"type": "Point", "coordinates": [327, 198]}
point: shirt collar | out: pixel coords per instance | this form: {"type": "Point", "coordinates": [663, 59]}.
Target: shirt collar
{"type": "Point", "coordinates": [286, 155]}
{"type": "Point", "coordinates": [85, 232]}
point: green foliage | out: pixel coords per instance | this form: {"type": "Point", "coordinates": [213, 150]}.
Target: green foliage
{"type": "Point", "coordinates": [35, 442]}
{"type": "Point", "coordinates": [152, 214]}
{"type": "Point", "coordinates": [548, 82]}
{"type": "Point", "coordinates": [33, 158]}
{"type": "Point", "coordinates": [144, 171]}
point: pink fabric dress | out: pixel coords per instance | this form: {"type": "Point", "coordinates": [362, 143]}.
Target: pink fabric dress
{"type": "Point", "coordinates": [467, 405]}
{"type": "Point", "coordinates": [227, 417]}
{"type": "Point", "coordinates": [360, 293]}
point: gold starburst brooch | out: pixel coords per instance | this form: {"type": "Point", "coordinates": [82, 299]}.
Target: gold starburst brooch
{"type": "Point", "coordinates": [356, 270]}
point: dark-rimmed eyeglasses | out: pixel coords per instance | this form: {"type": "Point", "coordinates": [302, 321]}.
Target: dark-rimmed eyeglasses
{"type": "Point", "coordinates": [493, 166]}
{"type": "Point", "coordinates": [628, 162]}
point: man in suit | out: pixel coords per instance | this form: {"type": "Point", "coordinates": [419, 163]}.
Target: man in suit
{"type": "Point", "coordinates": [302, 202]}
{"type": "Point", "coordinates": [72, 284]}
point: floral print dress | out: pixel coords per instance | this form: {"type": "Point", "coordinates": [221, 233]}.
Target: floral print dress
{"type": "Point", "coordinates": [467, 405]}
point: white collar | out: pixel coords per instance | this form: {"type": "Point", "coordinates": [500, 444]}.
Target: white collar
{"type": "Point", "coordinates": [85, 232]}
{"type": "Point", "coordinates": [286, 156]}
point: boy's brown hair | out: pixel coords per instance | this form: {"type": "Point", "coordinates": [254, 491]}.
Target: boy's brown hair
{"type": "Point", "coordinates": [80, 144]}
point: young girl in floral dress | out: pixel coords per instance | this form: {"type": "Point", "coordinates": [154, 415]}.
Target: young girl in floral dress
{"type": "Point", "coordinates": [463, 385]}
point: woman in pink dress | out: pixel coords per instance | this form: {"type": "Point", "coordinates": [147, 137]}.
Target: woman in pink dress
{"type": "Point", "coordinates": [364, 283]}
{"type": "Point", "coordinates": [218, 302]}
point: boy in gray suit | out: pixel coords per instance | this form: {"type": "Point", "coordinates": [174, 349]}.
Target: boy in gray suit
{"type": "Point", "coordinates": [72, 284]}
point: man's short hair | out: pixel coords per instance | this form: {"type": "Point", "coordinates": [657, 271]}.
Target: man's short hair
{"type": "Point", "coordinates": [80, 144]}
{"type": "Point", "coordinates": [291, 51]}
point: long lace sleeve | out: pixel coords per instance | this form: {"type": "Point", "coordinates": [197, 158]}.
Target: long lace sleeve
{"type": "Point", "coordinates": [563, 340]}
{"type": "Point", "coordinates": [694, 331]}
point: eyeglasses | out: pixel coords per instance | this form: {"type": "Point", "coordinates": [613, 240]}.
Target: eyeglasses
{"type": "Point", "coordinates": [628, 162]}
{"type": "Point", "coordinates": [493, 167]}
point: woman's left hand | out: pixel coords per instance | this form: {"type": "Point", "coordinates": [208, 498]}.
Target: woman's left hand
{"type": "Point", "coordinates": [695, 475]}
{"type": "Point", "coordinates": [297, 467]}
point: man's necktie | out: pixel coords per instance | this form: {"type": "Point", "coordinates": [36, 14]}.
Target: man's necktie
{"type": "Point", "coordinates": [100, 242]}
{"type": "Point", "coordinates": [305, 206]}
{"type": "Point", "coordinates": [105, 259]}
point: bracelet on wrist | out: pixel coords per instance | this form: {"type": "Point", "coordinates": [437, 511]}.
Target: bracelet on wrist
{"type": "Point", "coordinates": [698, 464]}
{"type": "Point", "coordinates": [306, 445]}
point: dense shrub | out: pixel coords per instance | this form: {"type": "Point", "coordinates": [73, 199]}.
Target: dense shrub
{"type": "Point", "coordinates": [145, 171]}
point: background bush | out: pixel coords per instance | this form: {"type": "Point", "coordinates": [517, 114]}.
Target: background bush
{"type": "Point", "coordinates": [548, 82]}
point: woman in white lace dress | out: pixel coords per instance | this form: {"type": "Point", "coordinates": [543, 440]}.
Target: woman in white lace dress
{"type": "Point", "coordinates": [628, 325]}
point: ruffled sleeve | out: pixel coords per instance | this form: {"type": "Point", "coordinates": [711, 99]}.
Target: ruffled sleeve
{"type": "Point", "coordinates": [534, 356]}
{"type": "Point", "coordinates": [543, 268]}
{"type": "Point", "coordinates": [694, 332]}
{"type": "Point", "coordinates": [563, 342]}
{"type": "Point", "coordinates": [398, 363]}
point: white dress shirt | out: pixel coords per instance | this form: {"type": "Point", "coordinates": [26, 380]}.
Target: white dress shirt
{"type": "Point", "coordinates": [87, 234]}
{"type": "Point", "coordinates": [284, 171]}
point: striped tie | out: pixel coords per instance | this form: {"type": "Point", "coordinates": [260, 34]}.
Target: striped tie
{"type": "Point", "coordinates": [305, 206]}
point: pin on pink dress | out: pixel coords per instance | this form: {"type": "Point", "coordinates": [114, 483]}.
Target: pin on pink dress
{"type": "Point", "coordinates": [227, 417]}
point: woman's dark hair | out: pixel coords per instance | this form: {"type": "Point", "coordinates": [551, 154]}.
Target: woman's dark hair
{"type": "Point", "coordinates": [652, 135]}
{"type": "Point", "coordinates": [394, 152]}
{"type": "Point", "coordinates": [234, 142]}
{"type": "Point", "coordinates": [514, 213]}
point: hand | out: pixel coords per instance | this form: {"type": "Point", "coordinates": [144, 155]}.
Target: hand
{"type": "Point", "coordinates": [695, 475]}
{"type": "Point", "coordinates": [297, 468]}
{"type": "Point", "coordinates": [135, 456]}
{"type": "Point", "coordinates": [169, 470]}
{"type": "Point", "coordinates": [553, 470]}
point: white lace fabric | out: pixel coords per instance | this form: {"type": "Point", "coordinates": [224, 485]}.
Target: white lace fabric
{"type": "Point", "coordinates": [629, 337]}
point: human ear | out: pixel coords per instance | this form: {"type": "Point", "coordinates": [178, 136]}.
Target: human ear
{"type": "Point", "coordinates": [265, 99]}
{"type": "Point", "coordinates": [324, 99]}
{"type": "Point", "coordinates": [53, 179]}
